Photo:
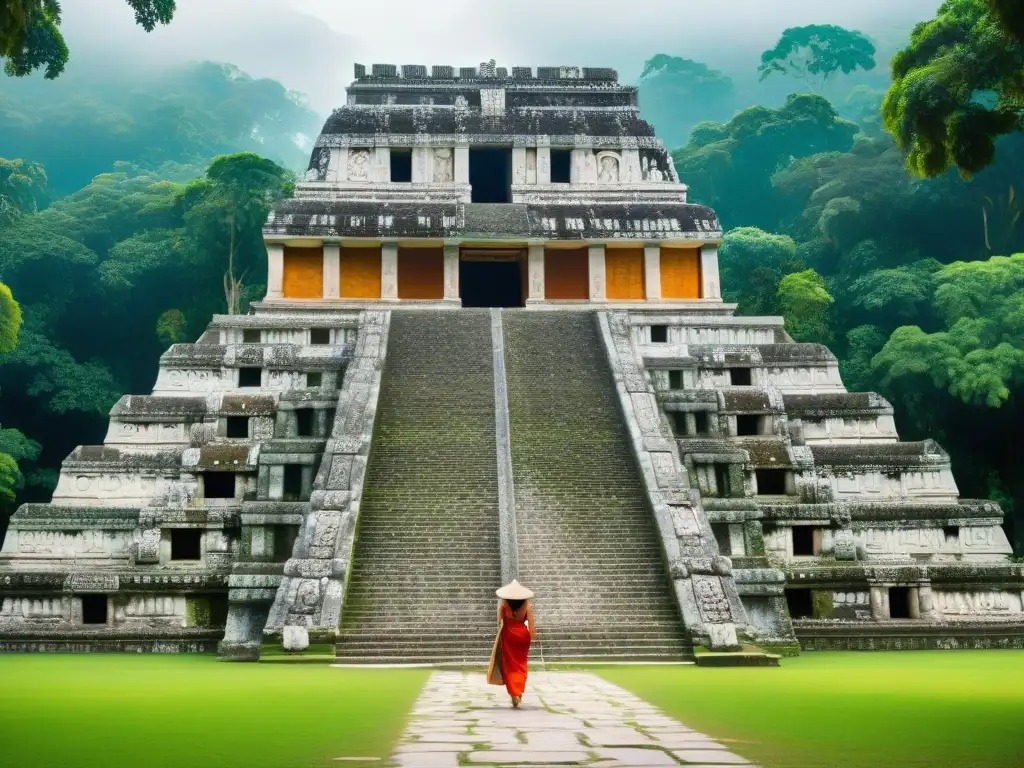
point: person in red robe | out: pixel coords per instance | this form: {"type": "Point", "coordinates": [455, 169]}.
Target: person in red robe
{"type": "Point", "coordinates": [512, 647]}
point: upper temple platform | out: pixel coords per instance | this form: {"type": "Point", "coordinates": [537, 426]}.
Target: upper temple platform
{"type": "Point", "coordinates": [540, 163]}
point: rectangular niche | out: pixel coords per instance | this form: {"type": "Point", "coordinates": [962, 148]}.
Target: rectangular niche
{"type": "Point", "coordinates": [187, 543]}
{"type": "Point", "coordinates": [237, 427]}
{"type": "Point", "coordinates": [566, 274]}
{"type": "Point", "coordinates": [561, 166]}
{"type": "Point", "coordinates": [899, 603]}
{"type": "Point", "coordinates": [218, 485]}
{"type": "Point", "coordinates": [303, 273]}
{"type": "Point", "coordinates": [421, 273]}
{"type": "Point", "coordinates": [94, 609]}
{"type": "Point", "coordinates": [800, 603]}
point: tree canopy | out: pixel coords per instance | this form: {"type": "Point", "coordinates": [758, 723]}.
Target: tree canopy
{"type": "Point", "coordinates": [30, 37]}
{"type": "Point", "coordinates": [957, 88]}
{"type": "Point", "coordinates": [173, 122]}
{"type": "Point", "coordinates": [676, 93]}
{"type": "Point", "coordinates": [816, 52]}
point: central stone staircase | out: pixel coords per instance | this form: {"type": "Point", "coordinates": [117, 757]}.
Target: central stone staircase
{"type": "Point", "coordinates": [426, 556]}
{"type": "Point", "coordinates": [587, 542]}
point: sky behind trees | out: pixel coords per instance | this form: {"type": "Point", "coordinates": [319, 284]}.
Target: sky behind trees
{"type": "Point", "coordinates": [310, 45]}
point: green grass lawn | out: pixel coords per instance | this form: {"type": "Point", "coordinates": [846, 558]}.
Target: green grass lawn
{"type": "Point", "coordinates": [958, 709]}
{"type": "Point", "coordinates": [196, 712]}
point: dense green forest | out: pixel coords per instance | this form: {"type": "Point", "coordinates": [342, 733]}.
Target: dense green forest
{"type": "Point", "coordinates": [875, 206]}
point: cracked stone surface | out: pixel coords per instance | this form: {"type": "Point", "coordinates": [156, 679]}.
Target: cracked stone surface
{"type": "Point", "coordinates": [566, 718]}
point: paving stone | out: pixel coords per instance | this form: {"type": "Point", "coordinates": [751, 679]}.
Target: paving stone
{"type": "Point", "coordinates": [427, 761]}
{"type": "Point", "coordinates": [518, 757]}
{"type": "Point", "coordinates": [709, 757]}
{"type": "Point", "coordinates": [638, 758]}
{"type": "Point", "coordinates": [553, 729]}
{"type": "Point", "coordinates": [614, 737]}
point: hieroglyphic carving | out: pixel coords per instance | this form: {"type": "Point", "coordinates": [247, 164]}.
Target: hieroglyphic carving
{"type": "Point", "coordinates": [711, 600]}
{"type": "Point", "coordinates": [149, 546]}
{"type": "Point", "coordinates": [977, 602]}
{"type": "Point", "coordinates": [91, 582]}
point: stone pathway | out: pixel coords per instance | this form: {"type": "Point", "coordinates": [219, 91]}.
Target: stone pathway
{"type": "Point", "coordinates": [566, 718]}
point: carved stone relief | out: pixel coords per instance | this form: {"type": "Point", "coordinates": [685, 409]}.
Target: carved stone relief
{"type": "Point", "coordinates": [444, 166]}
{"type": "Point", "coordinates": [359, 165]}
{"type": "Point", "coordinates": [607, 168]}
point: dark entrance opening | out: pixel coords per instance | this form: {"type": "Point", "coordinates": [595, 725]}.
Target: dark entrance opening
{"type": "Point", "coordinates": [899, 603]}
{"type": "Point", "coordinates": [490, 174]}
{"type": "Point", "coordinates": [490, 283]}
{"type": "Point", "coordinates": [800, 603]}
{"type": "Point", "coordinates": [94, 609]}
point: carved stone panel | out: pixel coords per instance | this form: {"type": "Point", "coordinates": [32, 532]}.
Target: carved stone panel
{"type": "Point", "coordinates": [444, 166]}
{"type": "Point", "coordinates": [711, 600]}
{"type": "Point", "coordinates": [359, 165]}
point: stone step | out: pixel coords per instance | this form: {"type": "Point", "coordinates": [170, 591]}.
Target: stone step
{"type": "Point", "coordinates": [587, 542]}
{"type": "Point", "coordinates": [427, 543]}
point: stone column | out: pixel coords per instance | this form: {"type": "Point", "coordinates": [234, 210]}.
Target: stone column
{"type": "Point", "coordinates": [879, 603]}
{"type": "Point", "coordinates": [462, 165]}
{"type": "Point", "coordinates": [389, 271]}
{"type": "Point", "coordinates": [598, 290]}
{"type": "Point", "coordinates": [422, 165]}
{"type": "Point", "coordinates": [652, 272]}
{"type": "Point", "coordinates": [584, 167]}
{"type": "Point", "coordinates": [535, 273]}
{"type": "Point", "coordinates": [332, 271]}
{"type": "Point", "coordinates": [518, 165]}
{"type": "Point", "coordinates": [451, 272]}
{"type": "Point", "coordinates": [337, 168]}
{"type": "Point", "coordinates": [914, 602]}
{"type": "Point", "coordinates": [275, 271]}
{"type": "Point", "coordinates": [926, 601]}
{"type": "Point", "coordinates": [710, 285]}
{"type": "Point", "coordinates": [381, 168]}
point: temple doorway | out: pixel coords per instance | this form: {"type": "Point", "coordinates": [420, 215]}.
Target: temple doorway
{"type": "Point", "coordinates": [490, 174]}
{"type": "Point", "coordinates": [492, 278]}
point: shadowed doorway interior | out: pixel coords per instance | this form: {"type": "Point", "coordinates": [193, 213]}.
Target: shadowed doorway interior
{"type": "Point", "coordinates": [491, 279]}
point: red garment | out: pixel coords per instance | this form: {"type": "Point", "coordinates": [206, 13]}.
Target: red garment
{"type": "Point", "coordinates": [515, 648]}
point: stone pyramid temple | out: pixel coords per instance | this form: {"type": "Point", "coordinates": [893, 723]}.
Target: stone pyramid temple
{"type": "Point", "coordinates": [493, 345]}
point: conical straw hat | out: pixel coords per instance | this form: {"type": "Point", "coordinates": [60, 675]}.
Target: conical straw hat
{"type": "Point", "coordinates": [514, 591]}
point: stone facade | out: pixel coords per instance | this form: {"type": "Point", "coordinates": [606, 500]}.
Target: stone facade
{"type": "Point", "coordinates": [519, 168]}
{"type": "Point", "coordinates": [710, 480]}
{"type": "Point", "coordinates": [828, 519]}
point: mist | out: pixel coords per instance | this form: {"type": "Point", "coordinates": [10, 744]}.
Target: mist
{"type": "Point", "coordinates": [310, 45]}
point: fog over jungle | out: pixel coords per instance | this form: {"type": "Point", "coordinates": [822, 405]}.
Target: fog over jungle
{"type": "Point", "coordinates": [310, 45]}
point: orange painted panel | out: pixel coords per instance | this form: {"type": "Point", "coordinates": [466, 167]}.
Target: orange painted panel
{"type": "Point", "coordinates": [680, 273]}
{"type": "Point", "coordinates": [420, 273]}
{"type": "Point", "coordinates": [303, 273]}
{"type": "Point", "coordinates": [624, 271]}
{"type": "Point", "coordinates": [566, 274]}
{"type": "Point", "coordinates": [360, 273]}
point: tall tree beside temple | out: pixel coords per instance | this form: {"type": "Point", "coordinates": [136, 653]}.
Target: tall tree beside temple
{"type": "Point", "coordinates": [226, 210]}
{"type": "Point", "coordinates": [30, 37]}
{"type": "Point", "coordinates": [817, 52]}
{"type": "Point", "coordinates": [957, 87]}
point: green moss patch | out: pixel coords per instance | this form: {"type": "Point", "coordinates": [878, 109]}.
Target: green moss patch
{"type": "Point", "coordinates": [926, 709]}
{"type": "Point", "coordinates": [109, 711]}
